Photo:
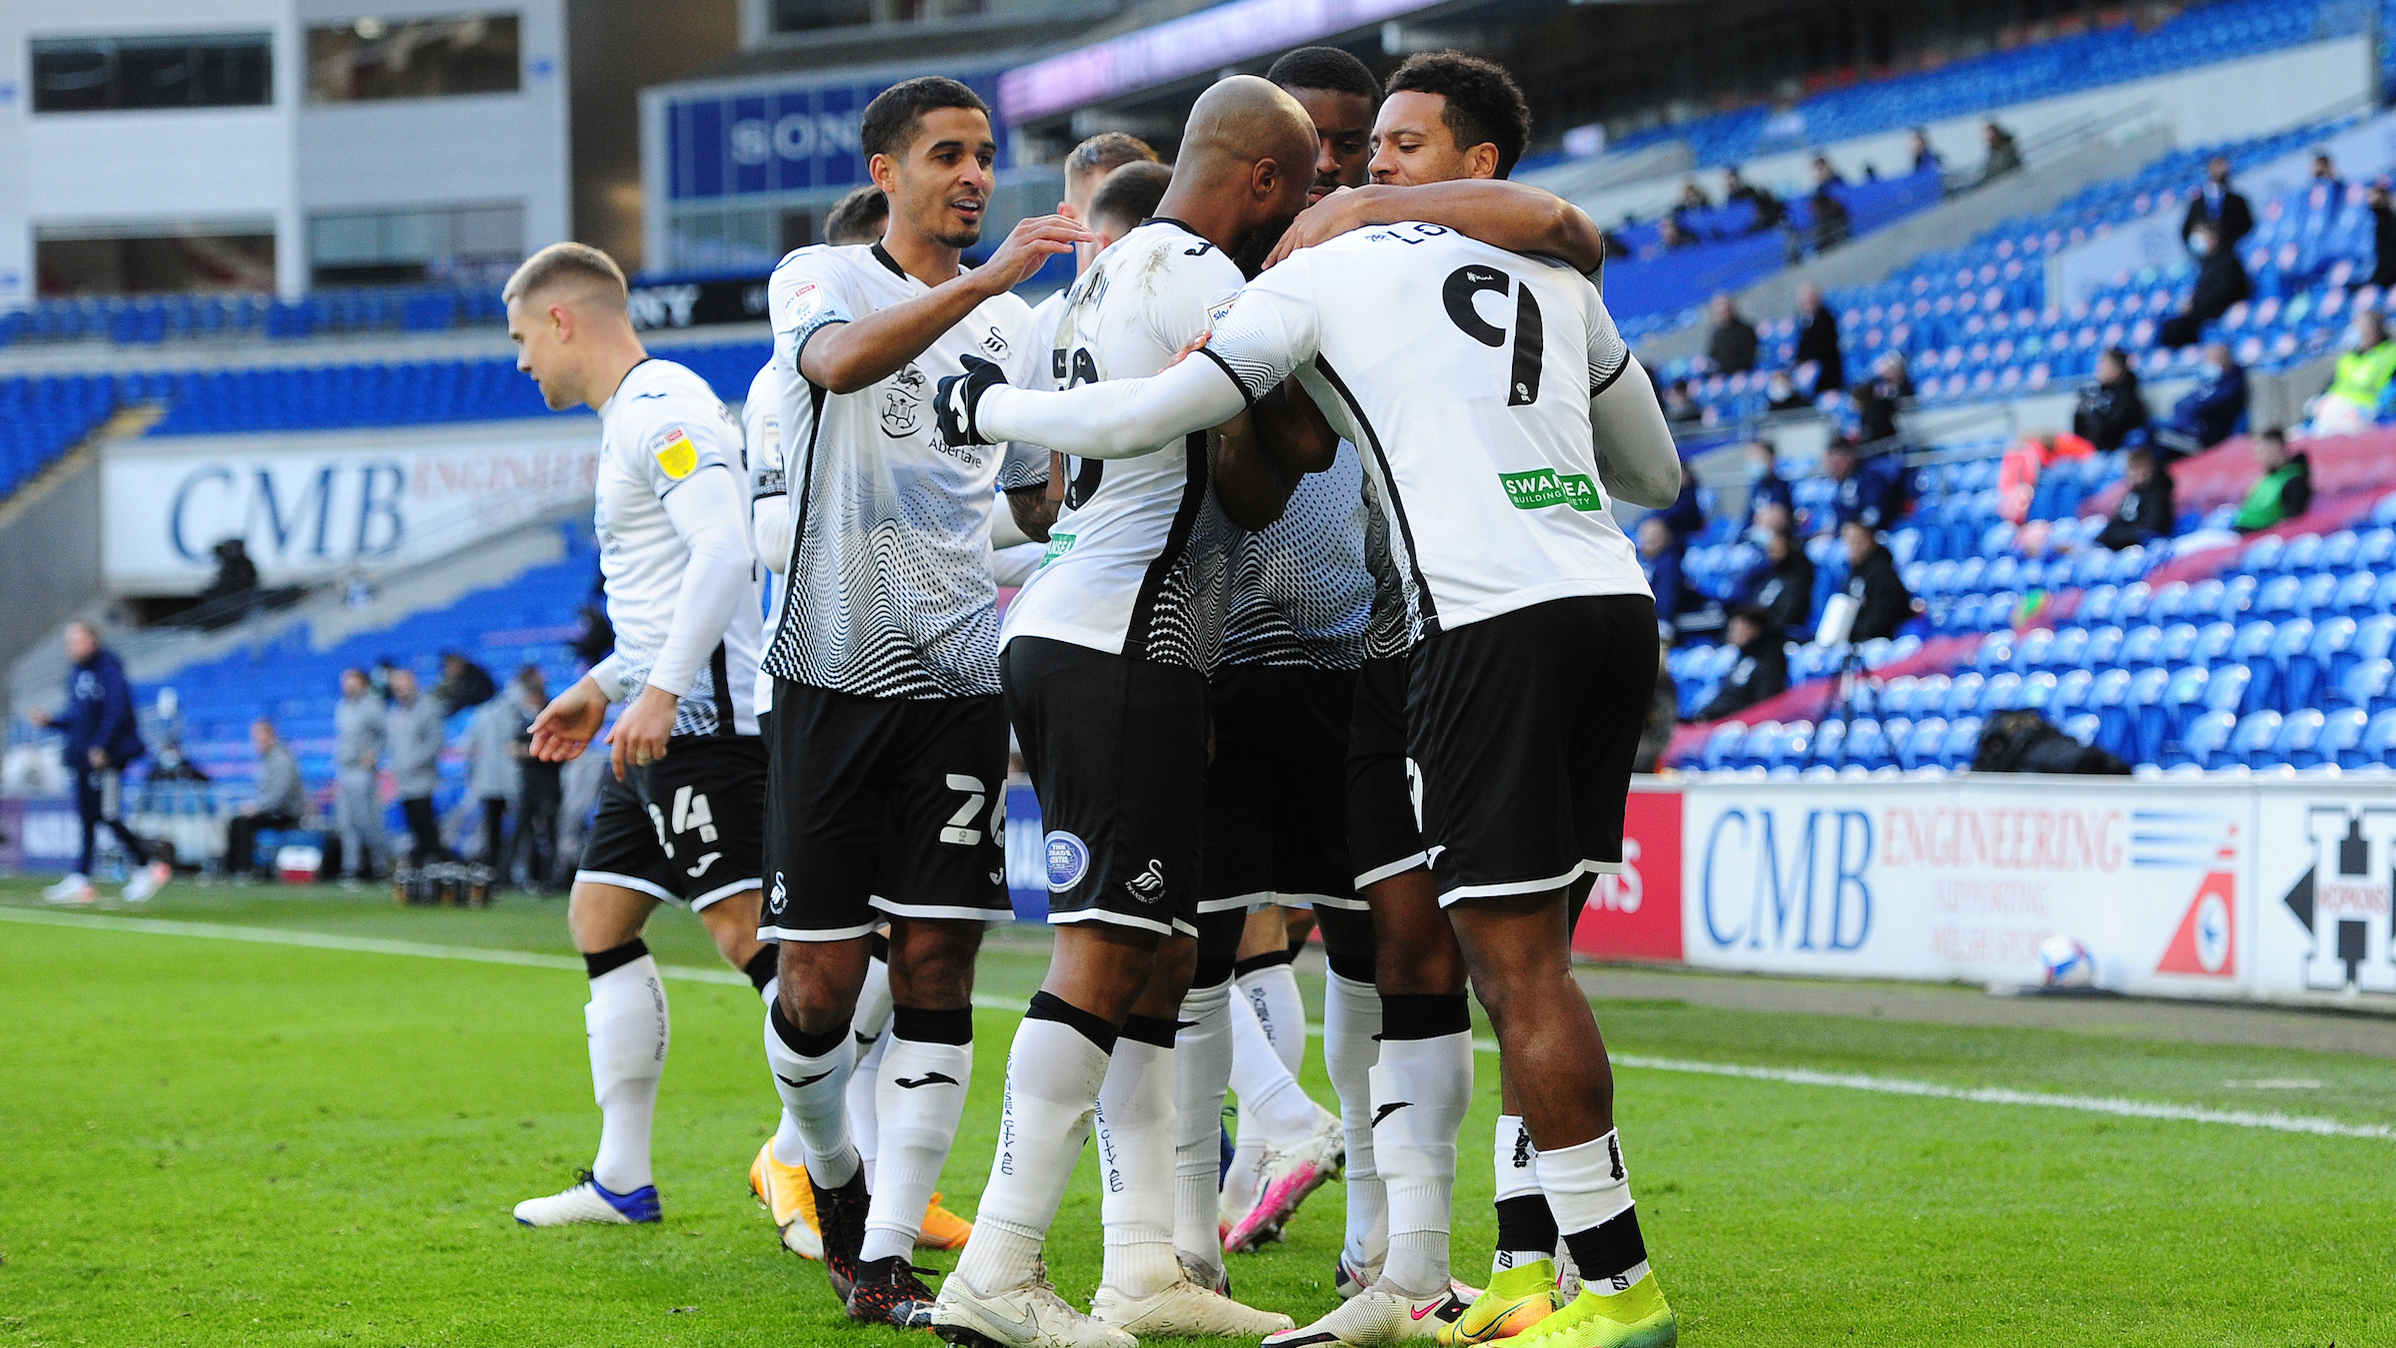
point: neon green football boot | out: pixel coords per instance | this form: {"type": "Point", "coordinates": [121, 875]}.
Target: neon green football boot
{"type": "Point", "coordinates": [1636, 1318]}
{"type": "Point", "coordinates": [1514, 1301]}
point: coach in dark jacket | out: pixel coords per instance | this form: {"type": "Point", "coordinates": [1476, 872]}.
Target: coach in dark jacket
{"type": "Point", "coordinates": [1870, 491]}
{"type": "Point", "coordinates": [102, 738]}
{"type": "Point", "coordinates": [1882, 603]}
{"type": "Point", "coordinates": [2220, 283]}
{"type": "Point", "coordinates": [1781, 585]}
{"type": "Point", "coordinates": [1732, 346]}
{"type": "Point", "coordinates": [2217, 206]}
{"type": "Point", "coordinates": [2205, 415]}
{"type": "Point", "coordinates": [2383, 233]}
{"type": "Point", "coordinates": [2146, 512]}
{"type": "Point", "coordinates": [1818, 339]}
{"type": "Point", "coordinates": [1762, 669]}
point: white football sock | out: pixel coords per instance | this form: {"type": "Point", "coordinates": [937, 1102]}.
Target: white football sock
{"type": "Point", "coordinates": [921, 1097]}
{"type": "Point", "coordinates": [1514, 1160]}
{"type": "Point", "coordinates": [1588, 1190]}
{"type": "Point", "coordinates": [1274, 1109]}
{"type": "Point", "coordinates": [1351, 1020]}
{"type": "Point", "coordinates": [1201, 1071]}
{"type": "Point", "coordinates": [1272, 994]}
{"type": "Point", "coordinates": [872, 1017]}
{"type": "Point", "coordinates": [629, 1031]}
{"type": "Point", "coordinates": [1421, 1088]}
{"type": "Point", "coordinates": [1054, 1072]}
{"type": "Point", "coordinates": [1135, 1124]}
{"type": "Point", "coordinates": [813, 1090]}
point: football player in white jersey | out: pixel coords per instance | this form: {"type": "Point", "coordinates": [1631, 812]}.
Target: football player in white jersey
{"type": "Point", "coordinates": [778, 1175]}
{"type": "Point", "coordinates": [1105, 650]}
{"type": "Point", "coordinates": [1089, 164]}
{"type": "Point", "coordinates": [680, 816]}
{"type": "Point", "coordinates": [1486, 391]}
{"type": "Point", "coordinates": [889, 742]}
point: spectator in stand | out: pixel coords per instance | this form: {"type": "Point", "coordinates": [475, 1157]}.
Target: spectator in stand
{"type": "Point", "coordinates": [1732, 346]}
{"type": "Point", "coordinates": [1781, 395]}
{"type": "Point", "coordinates": [2024, 464]}
{"type": "Point", "coordinates": [1882, 603]}
{"type": "Point", "coordinates": [1679, 407]}
{"type": "Point", "coordinates": [2004, 156]}
{"type": "Point", "coordinates": [2221, 281]}
{"type": "Point", "coordinates": [416, 736]}
{"type": "Point", "coordinates": [1765, 485]}
{"type": "Point", "coordinates": [1875, 412]}
{"type": "Point", "coordinates": [1781, 586]}
{"type": "Point", "coordinates": [279, 799]}
{"type": "Point", "coordinates": [1870, 492]}
{"type": "Point", "coordinates": [103, 738]}
{"type": "Point", "coordinates": [1762, 670]}
{"type": "Point", "coordinates": [1830, 220]}
{"type": "Point", "coordinates": [2361, 382]}
{"type": "Point", "coordinates": [1693, 198]}
{"type": "Point", "coordinates": [463, 684]}
{"type": "Point", "coordinates": [1768, 210]}
{"type": "Point", "coordinates": [360, 726]}
{"type": "Point", "coordinates": [2283, 492]}
{"type": "Point", "coordinates": [1671, 236]}
{"type": "Point", "coordinates": [1818, 339]}
{"type": "Point", "coordinates": [2216, 205]}
{"type": "Point", "coordinates": [2325, 174]}
{"type": "Point", "coordinates": [541, 793]}
{"type": "Point", "coordinates": [2111, 407]}
{"type": "Point", "coordinates": [2146, 511]}
{"type": "Point", "coordinates": [493, 775]}
{"type": "Point", "coordinates": [1918, 145]}
{"type": "Point", "coordinates": [1684, 517]}
{"type": "Point", "coordinates": [2383, 235]}
{"type": "Point", "coordinates": [1660, 558]}
{"type": "Point", "coordinates": [1890, 373]}
{"type": "Point", "coordinates": [2205, 415]}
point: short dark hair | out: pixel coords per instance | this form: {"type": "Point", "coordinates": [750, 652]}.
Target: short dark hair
{"type": "Point", "coordinates": [1325, 68]}
{"type": "Point", "coordinates": [1107, 151]}
{"type": "Point", "coordinates": [1128, 196]}
{"type": "Point", "coordinates": [896, 114]}
{"type": "Point", "coordinates": [2141, 455]}
{"type": "Point", "coordinates": [1751, 613]}
{"type": "Point", "coordinates": [859, 217]}
{"type": "Point", "coordinates": [1485, 105]}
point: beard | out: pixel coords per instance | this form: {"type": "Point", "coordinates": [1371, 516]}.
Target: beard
{"type": "Point", "coordinates": [1256, 245]}
{"type": "Point", "coordinates": [962, 237]}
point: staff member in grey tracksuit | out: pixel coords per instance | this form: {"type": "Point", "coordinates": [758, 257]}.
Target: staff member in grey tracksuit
{"type": "Point", "coordinates": [360, 726]}
{"type": "Point", "coordinates": [281, 801]}
{"type": "Point", "coordinates": [493, 775]}
{"type": "Point", "coordinates": [416, 735]}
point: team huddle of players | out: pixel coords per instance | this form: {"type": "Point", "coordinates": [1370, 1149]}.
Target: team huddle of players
{"type": "Point", "coordinates": [1322, 617]}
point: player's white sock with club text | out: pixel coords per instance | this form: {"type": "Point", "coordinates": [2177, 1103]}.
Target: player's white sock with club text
{"type": "Point", "coordinates": [1421, 1087]}
{"type": "Point", "coordinates": [811, 1072]}
{"type": "Point", "coordinates": [926, 1071]}
{"type": "Point", "coordinates": [1270, 986]}
{"type": "Point", "coordinates": [1526, 1229]}
{"type": "Point", "coordinates": [629, 1032]}
{"type": "Point", "coordinates": [1351, 1026]}
{"type": "Point", "coordinates": [1274, 1109]}
{"type": "Point", "coordinates": [1135, 1123]}
{"type": "Point", "coordinates": [1054, 1071]}
{"type": "Point", "coordinates": [1201, 1071]}
{"type": "Point", "coordinates": [871, 1019]}
{"type": "Point", "coordinates": [1590, 1194]}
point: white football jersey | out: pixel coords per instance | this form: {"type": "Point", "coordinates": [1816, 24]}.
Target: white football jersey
{"type": "Point", "coordinates": [663, 426]}
{"type": "Point", "coordinates": [760, 424]}
{"type": "Point", "coordinates": [1463, 374]}
{"type": "Point", "coordinates": [1300, 590]}
{"type": "Point", "coordinates": [887, 591]}
{"type": "Point", "coordinates": [1136, 560]}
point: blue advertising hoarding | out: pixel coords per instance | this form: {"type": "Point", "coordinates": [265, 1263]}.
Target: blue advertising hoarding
{"type": "Point", "coordinates": [794, 136]}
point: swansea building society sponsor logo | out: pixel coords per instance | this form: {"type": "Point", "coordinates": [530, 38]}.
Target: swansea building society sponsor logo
{"type": "Point", "coordinates": [1539, 488]}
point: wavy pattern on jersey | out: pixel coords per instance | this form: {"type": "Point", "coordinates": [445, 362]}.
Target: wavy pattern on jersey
{"type": "Point", "coordinates": [1300, 591]}
{"type": "Point", "coordinates": [1389, 630]}
{"type": "Point", "coordinates": [878, 613]}
{"type": "Point", "coordinates": [1183, 625]}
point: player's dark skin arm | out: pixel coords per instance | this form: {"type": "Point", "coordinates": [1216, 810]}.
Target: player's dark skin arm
{"type": "Point", "coordinates": [1261, 454]}
{"type": "Point", "coordinates": [1509, 215]}
{"type": "Point", "coordinates": [1035, 507]}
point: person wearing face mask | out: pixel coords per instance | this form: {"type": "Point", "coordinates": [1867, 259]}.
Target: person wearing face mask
{"type": "Point", "coordinates": [1782, 396]}
{"type": "Point", "coordinates": [2111, 407]}
{"type": "Point", "coordinates": [2215, 205]}
{"type": "Point", "coordinates": [2364, 372]}
{"type": "Point", "coordinates": [2220, 282]}
{"type": "Point", "coordinates": [2205, 415]}
{"type": "Point", "coordinates": [1780, 586]}
{"type": "Point", "coordinates": [1765, 485]}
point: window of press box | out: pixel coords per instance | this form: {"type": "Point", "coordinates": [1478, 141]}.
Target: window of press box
{"type": "Point", "coordinates": [477, 244]}
{"type": "Point", "coordinates": [374, 58]}
{"type": "Point", "coordinates": [225, 256]}
{"type": "Point", "coordinates": [103, 74]}
{"type": "Point", "coordinates": [799, 16]}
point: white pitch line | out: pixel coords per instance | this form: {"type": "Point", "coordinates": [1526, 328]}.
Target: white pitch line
{"type": "Point", "coordinates": [1794, 1076]}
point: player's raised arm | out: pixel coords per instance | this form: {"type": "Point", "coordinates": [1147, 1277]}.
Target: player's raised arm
{"type": "Point", "coordinates": [850, 354]}
{"type": "Point", "coordinates": [1514, 216]}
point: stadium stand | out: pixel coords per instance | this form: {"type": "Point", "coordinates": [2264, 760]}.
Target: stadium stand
{"type": "Point", "coordinates": [135, 320]}
{"type": "Point", "coordinates": [2201, 36]}
{"type": "Point", "coordinates": [42, 418]}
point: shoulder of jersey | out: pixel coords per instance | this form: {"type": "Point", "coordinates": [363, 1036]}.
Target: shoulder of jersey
{"type": "Point", "coordinates": [657, 379]}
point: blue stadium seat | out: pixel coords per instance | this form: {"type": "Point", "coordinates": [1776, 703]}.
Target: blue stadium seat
{"type": "Point", "coordinates": [2378, 748]}
{"type": "Point", "coordinates": [2365, 686]}
{"type": "Point", "coordinates": [2250, 743]}
{"type": "Point", "coordinates": [1962, 743]}
{"type": "Point", "coordinates": [2296, 742]}
{"type": "Point", "coordinates": [1920, 749]}
{"type": "Point", "coordinates": [2083, 726]}
{"type": "Point", "coordinates": [1722, 746]}
{"type": "Point", "coordinates": [2341, 738]}
{"type": "Point", "coordinates": [1963, 695]}
{"type": "Point", "coordinates": [2002, 692]}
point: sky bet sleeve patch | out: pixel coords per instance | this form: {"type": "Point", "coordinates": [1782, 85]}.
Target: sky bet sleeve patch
{"type": "Point", "coordinates": [676, 455]}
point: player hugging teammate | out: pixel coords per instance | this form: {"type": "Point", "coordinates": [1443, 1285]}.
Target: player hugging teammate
{"type": "Point", "coordinates": [1342, 523]}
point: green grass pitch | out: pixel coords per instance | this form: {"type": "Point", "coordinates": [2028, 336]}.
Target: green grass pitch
{"type": "Point", "coordinates": [228, 1142]}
